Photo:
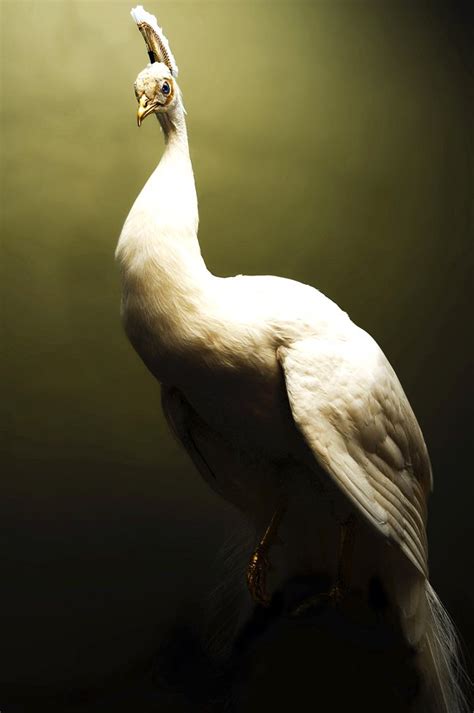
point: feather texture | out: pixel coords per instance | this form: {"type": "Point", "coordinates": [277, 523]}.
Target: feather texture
{"type": "Point", "coordinates": [351, 409]}
{"type": "Point", "coordinates": [162, 51]}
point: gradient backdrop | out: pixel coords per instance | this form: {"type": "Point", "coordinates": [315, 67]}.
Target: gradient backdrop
{"type": "Point", "coordinates": [331, 144]}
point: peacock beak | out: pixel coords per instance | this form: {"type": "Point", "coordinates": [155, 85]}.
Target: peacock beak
{"type": "Point", "coordinates": [144, 108]}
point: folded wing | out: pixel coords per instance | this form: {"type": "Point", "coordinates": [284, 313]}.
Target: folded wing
{"type": "Point", "coordinates": [349, 406]}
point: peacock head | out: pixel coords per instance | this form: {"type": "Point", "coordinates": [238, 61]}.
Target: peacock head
{"type": "Point", "coordinates": [156, 91]}
{"type": "Point", "coordinates": [155, 87]}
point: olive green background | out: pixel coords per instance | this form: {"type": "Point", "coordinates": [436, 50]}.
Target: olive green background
{"type": "Point", "coordinates": [331, 143]}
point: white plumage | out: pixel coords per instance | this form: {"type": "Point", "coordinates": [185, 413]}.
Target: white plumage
{"type": "Point", "coordinates": [278, 396]}
{"type": "Point", "coordinates": [348, 404]}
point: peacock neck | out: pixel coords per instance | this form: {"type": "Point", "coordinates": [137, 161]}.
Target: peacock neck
{"type": "Point", "coordinates": [174, 130]}
{"type": "Point", "coordinates": [165, 280]}
{"type": "Point", "coordinates": [164, 218]}
{"type": "Point", "coordinates": [172, 183]}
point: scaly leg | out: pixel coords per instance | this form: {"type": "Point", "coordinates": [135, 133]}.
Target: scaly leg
{"type": "Point", "coordinates": [259, 562]}
{"type": "Point", "coordinates": [344, 561]}
{"type": "Point", "coordinates": [343, 577]}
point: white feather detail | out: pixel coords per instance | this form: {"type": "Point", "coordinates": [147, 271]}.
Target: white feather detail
{"type": "Point", "coordinates": [140, 15]}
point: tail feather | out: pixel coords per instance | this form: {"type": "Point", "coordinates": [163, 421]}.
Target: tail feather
{"type": "Point", "coordinates": [229, 604]}
{"type": "Point", "coordinates": [424, 621]}
{"type": "Point", "coordinates": [440, 661]}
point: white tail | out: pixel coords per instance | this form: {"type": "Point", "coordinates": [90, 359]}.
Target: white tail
{"type": "Point", "coordinates": [440, 663]}
{"type": "Point", "coordinates": [229, 605]}
{"type": "Point", "coordinates": [424, 620]}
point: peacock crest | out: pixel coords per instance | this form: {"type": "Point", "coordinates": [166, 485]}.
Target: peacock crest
{"type": "Point", "coordinates": [157, 45]}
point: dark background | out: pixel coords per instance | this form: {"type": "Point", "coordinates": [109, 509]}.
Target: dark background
{"type": "Point", "coordinates": [332, 143]}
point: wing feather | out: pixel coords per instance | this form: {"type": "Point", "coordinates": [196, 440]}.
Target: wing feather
{"type": "Point", "coordinates": [349, 406]}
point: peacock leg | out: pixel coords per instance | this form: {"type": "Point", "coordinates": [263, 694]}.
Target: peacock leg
{"type": "Point", "coordinates": [344, 561]}
{"type": "Point", "coordinates": [343, 576]}
{"type": "Point", "coordinates": [260, 563]}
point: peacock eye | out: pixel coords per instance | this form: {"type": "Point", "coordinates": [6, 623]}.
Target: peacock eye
{"type": "Point", "coordinates": [165, 88]}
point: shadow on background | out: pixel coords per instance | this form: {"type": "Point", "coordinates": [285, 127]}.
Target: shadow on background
{"type": "Point", "coordinates": [332, 144]}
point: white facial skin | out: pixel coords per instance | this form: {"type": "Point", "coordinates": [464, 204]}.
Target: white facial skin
{"type": "Point", "coordinates": [155, 90]}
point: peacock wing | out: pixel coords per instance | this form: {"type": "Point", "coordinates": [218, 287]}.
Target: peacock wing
{"type": "Point", "coordinates": [350, 408]}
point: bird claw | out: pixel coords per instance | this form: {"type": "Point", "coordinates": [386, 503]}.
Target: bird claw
{"type": "Point", "coordinates": [257, 577]}
{"type": "Point", "coordinates": [336, 594]}
{"type": "Point", "coordinates": [315, 603]}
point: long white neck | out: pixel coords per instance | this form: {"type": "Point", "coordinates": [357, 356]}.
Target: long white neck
{"type": "Point", "coordinates": [164, 276]}
{"type": "Point", "coordinates": [172, 183]}
{"type": "Point", "coordinates": [166, 211]}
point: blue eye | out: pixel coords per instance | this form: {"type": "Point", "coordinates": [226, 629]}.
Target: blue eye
{"type": "Point", "coordinates": [165, 89]}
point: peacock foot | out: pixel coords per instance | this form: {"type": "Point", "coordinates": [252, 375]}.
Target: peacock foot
{"type": "Point", "coordinates": [257, 576]}
{"type": "Point", "coordinates": [318, 602]}
{"type": "Point", "coordinates": [336, 594]}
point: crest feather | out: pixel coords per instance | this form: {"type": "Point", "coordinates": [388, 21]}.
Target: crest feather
{"type": "Point", "coordinates": [156, 42]}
